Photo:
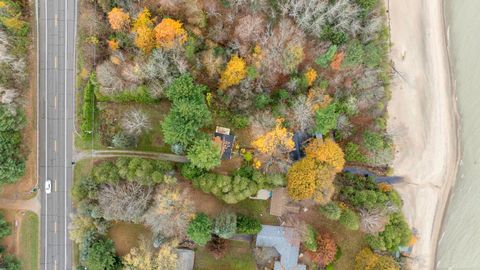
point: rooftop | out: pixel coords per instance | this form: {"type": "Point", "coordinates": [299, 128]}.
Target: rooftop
{"type": "Point", "coordinates": [286, 241]}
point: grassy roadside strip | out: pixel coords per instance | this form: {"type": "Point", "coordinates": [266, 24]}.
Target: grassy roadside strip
{"type": "Point", "coordinates": [29, 241]}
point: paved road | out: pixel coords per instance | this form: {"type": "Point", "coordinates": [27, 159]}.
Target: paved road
{"type": "Point", "coordinates": [56, 35]}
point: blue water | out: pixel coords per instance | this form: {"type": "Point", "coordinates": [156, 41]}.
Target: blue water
{"type": "Point", "coordinates": [459, 246]}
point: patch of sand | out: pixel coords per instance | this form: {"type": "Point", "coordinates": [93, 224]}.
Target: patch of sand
{"type": "Point", "coordinates": [423, 119]}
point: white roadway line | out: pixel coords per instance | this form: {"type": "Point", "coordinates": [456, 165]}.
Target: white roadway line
{"type": "Point", "coordinates": [65, 132]}
{"type": "Point", "coordinates": [46, 132]}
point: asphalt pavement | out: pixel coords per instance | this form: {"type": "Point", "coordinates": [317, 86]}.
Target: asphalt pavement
{"type": "Point", "coordinates": [56, 21]}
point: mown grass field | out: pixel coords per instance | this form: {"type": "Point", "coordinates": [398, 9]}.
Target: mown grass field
{"type": "Point", "coordinates": [239, 256]}
{"type": "Point", "coordinates": [29, 246]}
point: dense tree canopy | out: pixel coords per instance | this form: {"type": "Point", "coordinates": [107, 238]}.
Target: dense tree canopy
{"type": "Point", "coordinates": [188, 114]}
{"type": "Point", "coordinates": [200, 229]}
{"type": "Point", "coordinates": [205, 154]}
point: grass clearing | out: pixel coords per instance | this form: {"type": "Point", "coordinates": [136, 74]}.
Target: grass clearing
{"type": "Point", "coordinates": [239, 256]}
{"type": "Point", "coordinates": [126, 235]}
{"type": "Point", "coordinates": [29, 241]}
{"type": "Point", "coordinates": [258, 209]}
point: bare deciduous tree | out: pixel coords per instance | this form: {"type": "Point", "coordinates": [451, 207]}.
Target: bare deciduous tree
{"type": "Point", "coordinates": [372, 221]}
{"type": "Point", "coordinates": [109, 78]}
{"type": "Point", "coordinates": [281, 49]}
{"type": "Point", "coordinates": [313, 15]}
{"type": "Point", "coordinates": [170, 213]}
{"type": "Point", "coordinates": [126, 201]}
{"type": "Point", "coordinates": [302, 113]}
{"type": "Point", "coordinates": [135, 122]}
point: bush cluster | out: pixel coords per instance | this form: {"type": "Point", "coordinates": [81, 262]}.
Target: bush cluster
{"type": "Point", "coordinates": [237, 187]}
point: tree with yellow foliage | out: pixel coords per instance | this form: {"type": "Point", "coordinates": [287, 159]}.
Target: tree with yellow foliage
{"type": "Point", "coordinates": [144, 256]}
{"type": "Point", "coordinates": [233, 73]}
{"type": "Point", "coordinates": [310, 76]}
{"type": "Point", "coordinates": [143, 28]}
{"type": "Point", "coordinates": [328, 152]}
{"type": "Point", "coordinates": [118, 19]}
{"type": "Point", "coordinates": [170, 33]}
{"type": "Point", "coordinates": [279, 139]}
{"type": "Point", "coordinates": [367, 260]}
{"type": "Point", "coordinates": [310, 179]}
{"type": "Point", "coordinates": [324, 187]}
{"type": "Point", "coordinates": [302, 177]}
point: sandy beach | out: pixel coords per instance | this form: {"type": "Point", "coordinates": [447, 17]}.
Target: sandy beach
{"type": "Point", "coordinates": [423, 119]}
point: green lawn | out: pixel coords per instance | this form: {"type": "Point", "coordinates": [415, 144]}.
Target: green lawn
{"type": "Point", "coordinates": [29, 241]}
{"type": "Point", "coordinates": [256, 208]}
{"type": "Point", "coordinates": [239, 256]}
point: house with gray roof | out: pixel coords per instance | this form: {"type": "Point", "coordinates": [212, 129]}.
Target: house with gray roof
{"type": "Point", "coordinates": [286, 241]}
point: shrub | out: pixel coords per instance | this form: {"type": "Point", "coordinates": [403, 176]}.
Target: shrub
{"type": "Point", "coordinates": [326, 118]}
{"type": "Point", "coordinates": [225, 225]}
{"type": "Point", "coordinates": [352, 153]}
{"type": "Point", "coordinates": [262, 101]}
{"type": "Point", "coordinates": [367, 4]}
{"type": "Point", "coordinates": [199, 230]}
{"type": "Point", "coordinates": [205, 154]}
{"type": "Point", "coordinates": [230, 189]}
{"type": "Point", "coordinates": [325, 251]}
{"type": "Point", "coordinates": [367, 260]}
{"type": "Point", "coordinates": [190, 172]}
{"type": "Point", "coordinates": [143, 171]}
{"type": "Point", "coordinates": [349, 219]}
{"type": "Point", "coordinates": [248, 225]}
{"type": "Point", "coordinates": [331, 210]}
{"type": "Point", "coordinates": [355, 54]}
{"type": "Point", "coordinates": [11, 159]}
{"type": "Point", "coordinates": [373, 141]}
{"type": "Point", "coordinates": [89, 107]}
{"type": "Point", "coordinates": [101, 256]}
{"type": "Point", "coordinates": [397, 233]}
{"type": "Point", "coordinates": [310, 239]}
{"type": "Point", "coordinates": [337, 37]}
{"type": "Point", "coordinates": [363, 192]}
{"type": "Point", "coordinates": [5, 228]}
{"type": "Point", "coordinates": [122, 140]}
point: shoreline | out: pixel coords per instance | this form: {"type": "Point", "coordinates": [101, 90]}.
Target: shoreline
{"type": "Point", "coordinates": [427, 134]}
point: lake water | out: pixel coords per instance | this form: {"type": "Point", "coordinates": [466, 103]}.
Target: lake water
{"type": "Point", "coordinates": [459, 247]}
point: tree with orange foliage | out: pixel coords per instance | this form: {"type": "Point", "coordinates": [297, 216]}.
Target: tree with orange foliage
{"type": "Point", "coordinates": [170, 33]}
{"type": "Point", "coordinates": [367, 260]}
{"type": "Point", "coordinates": [328, 152]}
{"type": "Point", "coordinates": [302, 179]}
{"type": "Point", "coordinates": [337, 61]}
{"type": "Point", "coordinates": [326, 249]}
{"type": "Point", "coordinates": [234, 73]}
{"type": "Point", "coordinates": [143, 28]}
{"type": "Point", "coordinates": [113, 44]}
{"type": "Point", "coordinates": [118, 19]}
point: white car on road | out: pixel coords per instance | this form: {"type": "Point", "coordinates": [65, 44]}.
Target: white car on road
{"type": "Point", "coordinates": [48, 186]}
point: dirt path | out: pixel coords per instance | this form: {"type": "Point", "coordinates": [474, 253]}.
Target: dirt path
{"type": "Point", "coordinates": [32, 204]}
{"type": "Point", "coordinates": [128, 153]}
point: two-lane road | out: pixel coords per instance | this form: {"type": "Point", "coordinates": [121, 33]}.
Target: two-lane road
{"type": "Point", "coordinates": [56, 61]}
